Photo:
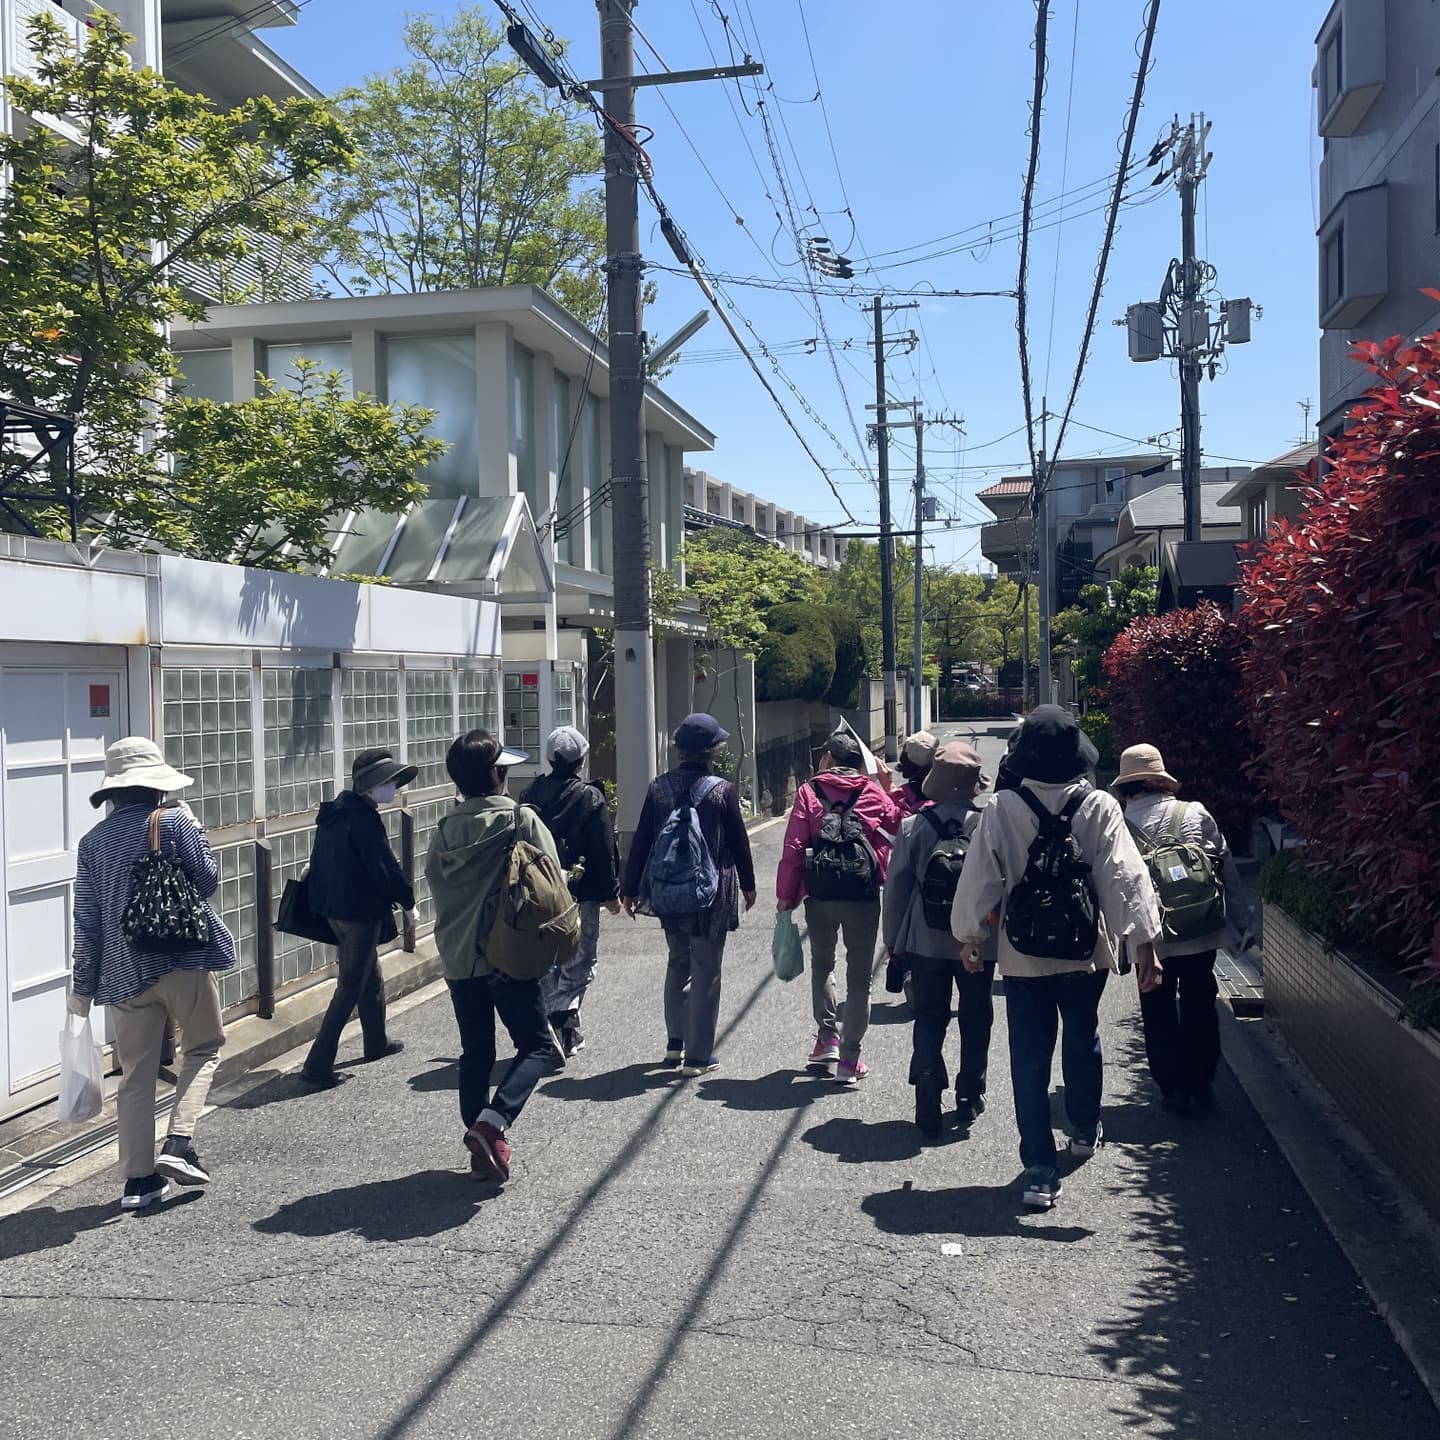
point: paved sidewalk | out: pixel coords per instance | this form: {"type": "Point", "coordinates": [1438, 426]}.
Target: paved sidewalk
{"type": "Point", "coordinates": [755, 1254]}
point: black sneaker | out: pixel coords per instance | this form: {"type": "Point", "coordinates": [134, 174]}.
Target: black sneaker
{"type": "Point", "coordinates": [143, 1192]}
{"type": "Point", "coordinates": [322, 1079]}
{"type": "Point", "coordinates": [179, 1162]}
{"type": "Point", "coordinates": [927, 1107]}
{"type": "Point", "coordinates": [391, 1047]}
{"type": "Point", "coordinates": [572, 1036]}
{"type": "Point", "coordinates": [968, 1111]}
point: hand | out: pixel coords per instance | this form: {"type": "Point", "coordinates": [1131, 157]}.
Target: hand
{"type": "Point", "coordinates": [613, 906]}
{"type": "Point", "coordinates": [786, 904]}
{"type": "Point", "coordinates": [970, 958]}
{"type": "Point", "coordinates": [1149, 972]}
{"type": "Point", "coordinates": [78, 1004]}
{"type": "Point", "coordinates": [628, 904]}
{"type": "Point", "coordinates": [749, 899]}
{"type": "Point", "coordinates": [883, 776]}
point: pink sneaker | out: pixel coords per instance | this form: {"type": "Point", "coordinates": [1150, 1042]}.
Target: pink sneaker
{"type": "Point", "coordinates": [825, 1050]}
{"type": "Point", "coordinates": [848, 1074]}
{"type": "Point", "coordinates": [489, 1151]}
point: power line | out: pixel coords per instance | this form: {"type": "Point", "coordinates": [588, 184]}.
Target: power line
{"type": "Point", "coordinates": [197, 43]}
{"type": "Point", "coordinates": [1022, 315]}
{"type": "Point", "coordinates": [1064, 176]}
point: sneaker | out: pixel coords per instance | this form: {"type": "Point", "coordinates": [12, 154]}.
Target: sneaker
{"type": "Point", "coordinates": [851, 1072]}
{"type": "Point", "coordinates": [556, 1059]}
{"type": "Point", "coordinates": [1041, 1188]}
{"type": "Point", "coordinates": [489, 1151]}
{"type": "Point", "coordinates": [674, 1053]}
{"type": "Point", "coordinates": [179, 1162]}
{"type": "Point", "coordinates": [391, 1047]}
{"type": "Point", "coordinates": [1084, 1143]}
{"type": "Point", "coordinates": [967, 1111]}
{"type": "Point", "coordinates": [927, 1107]}
{"type": "Point", "coordinates": [572, 1036]}
{"type": "Point", "coordinates": [825, 1050]}
{"type": "Point", "coordinates": [713, 1063]}
{"type": "Point", "coordinates": [143, 1192]}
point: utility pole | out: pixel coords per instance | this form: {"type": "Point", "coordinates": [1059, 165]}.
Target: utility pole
{"type": "Point", "coordinates": [917, 658]}
{"type": "Point", "coordinates": [1178, 326]}
{"type": "Point", "coordinates": [1045, 555]}
{"type": "Point", "coordinates": [887, 543]}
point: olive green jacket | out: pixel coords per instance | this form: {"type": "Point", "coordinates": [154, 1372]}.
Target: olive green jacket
{"type": "Point", "coordinates": [466, 864]}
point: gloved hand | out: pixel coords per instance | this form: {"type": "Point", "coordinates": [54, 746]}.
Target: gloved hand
{"type": "Point", "coordinates": [78, 1004]}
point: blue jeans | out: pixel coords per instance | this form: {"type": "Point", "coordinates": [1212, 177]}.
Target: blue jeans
{"type": "Point", "coordinates": [518, 1004]}
{"type": "Point", "coordinates": [1035, 1007]}
{"type": "Point", "coordinates": [565, 986]}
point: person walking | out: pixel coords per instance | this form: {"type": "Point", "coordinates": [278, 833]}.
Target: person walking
{"type": "Point", "coordinates": [917, 755]}
{"type": "Point", "coordinates": [1054, 858]}
{"type": "Point", "coordinates": [149, 990]}
{"type": "Point", "coordinates": [1182, 1029]}
{"type": "Point", "coordinates": [578, 818]}
{"type": "Point", "coordinates": [834, 856]}
{"type": "Point", "coordinates": [724, 873]}
{"type": "Point", "coordinates": [355, 882]}
{"type": "Point", "coordinates": [925, 866]}
{"type": "Point", "coordinates": [466, 866]}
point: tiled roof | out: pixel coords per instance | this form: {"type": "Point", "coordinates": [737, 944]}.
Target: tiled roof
{"type": "Point", "coordinates": [1165, 507]}
{"type": "Point", "coordinates": [1019, 485]}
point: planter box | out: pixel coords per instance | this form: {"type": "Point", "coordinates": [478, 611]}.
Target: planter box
{"type": "Point", "coordinates": [1383, 1074]}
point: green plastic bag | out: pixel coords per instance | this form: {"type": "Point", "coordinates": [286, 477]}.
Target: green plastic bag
{"type": "Point", "coordinates": [785, 948]}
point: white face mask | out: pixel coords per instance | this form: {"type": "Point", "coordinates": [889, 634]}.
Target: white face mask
{"type": "Point", "coordinates": [383, 794]}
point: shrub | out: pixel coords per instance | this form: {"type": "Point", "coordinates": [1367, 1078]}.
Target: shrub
{"type": "Point", "coordinates": [1096, 724]}
{"type": "Point", "coordinates": [1173, 680]}
{"type": "Point", "coordinates": [849, 658]}
{"type": "Point", "coordinates": [1306, 896]}
{"type": "Point", "coordinates": [797, 654]}
{"type": "Point", "coordinates": [1342, 668]}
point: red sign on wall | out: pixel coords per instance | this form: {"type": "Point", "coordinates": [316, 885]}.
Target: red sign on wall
{"type": "Point", "coordinates": [531, 681]}
{"type": "Point", "coordinates": [99, 702]}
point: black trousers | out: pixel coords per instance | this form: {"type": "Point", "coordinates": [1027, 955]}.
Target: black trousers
{"type": "Point", "coordinates": [1182, 1029]}
{"type": "Point", "coordinates": [359, 987]}
{"type": "Point", "coordinates": [934, 983]}
{"type": "Point", "coordinates": [520, 1007]}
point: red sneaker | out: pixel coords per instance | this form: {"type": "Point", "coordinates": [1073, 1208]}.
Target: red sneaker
{"type": "Point", "coordinates": [489, 1151]}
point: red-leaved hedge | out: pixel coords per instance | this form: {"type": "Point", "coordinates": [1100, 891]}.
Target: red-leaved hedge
{"type": "Point", "coordinates": [1342, 665]}
{"type": "Point", "coordinates": [1173, 680]}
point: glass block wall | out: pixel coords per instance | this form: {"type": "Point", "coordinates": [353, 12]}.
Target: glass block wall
{"type": "Point", "coordinates": [207, 734]}
{"type": "Point", "coordinates": [235, 902]}
{"type": "Point", "coordinates": [294, 957]}
{"type": "Point", "coordinates": [299, 740]}
{"type": "Point", "coordinates": [564, 695]}
{"type": "Point", "coordinates": [370, 712]}
{"type": "Point", "coordinates": [522, 713]}
{"type": "Point", "coordinates": [480, 700]}
{"type": "Point", "coordinates": [430, 723]}
{"type": "Point", "coordinates": [427, 817]}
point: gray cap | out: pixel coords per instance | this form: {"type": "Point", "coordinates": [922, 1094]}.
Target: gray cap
{"type": "Point", "coordinates": [567, 745]}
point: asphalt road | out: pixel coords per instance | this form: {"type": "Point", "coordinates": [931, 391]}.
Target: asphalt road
{"type": "Point", "coordinates": [754, 1254]}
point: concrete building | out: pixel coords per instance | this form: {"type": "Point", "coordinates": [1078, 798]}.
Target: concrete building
{"type": "Point", "coordinates": [1377, 78]}
{"type": "Point", "coordinates": [518, 506]}
{"type": "Point", "coordinates": [1271, 490]}
{"type": "Point", "coordinates": [710, 501]}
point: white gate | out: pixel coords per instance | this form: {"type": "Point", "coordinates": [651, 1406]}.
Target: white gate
{"type": "Point", "coordinates": [55, 722]}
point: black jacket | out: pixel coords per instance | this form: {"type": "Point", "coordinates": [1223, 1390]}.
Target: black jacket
{"type": "Point", "coordinates": [353, 871]}
{"type": "Point", "coordinates": [577, 815]}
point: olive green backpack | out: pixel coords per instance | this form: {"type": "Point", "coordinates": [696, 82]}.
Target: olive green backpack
{"type": "Point", "coordinates": [1192, 900]}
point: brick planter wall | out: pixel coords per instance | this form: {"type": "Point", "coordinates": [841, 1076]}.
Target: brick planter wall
{"type": "Point", "coordinates": [1385, 1075]}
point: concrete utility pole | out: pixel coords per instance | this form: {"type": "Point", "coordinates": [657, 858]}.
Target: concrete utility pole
{"type": "Point", "coordinates": [887, 542]}
{"type": "Point", "coordinates": [917, 658]}
{"type": "Point", "coordinates": [1178, 326]}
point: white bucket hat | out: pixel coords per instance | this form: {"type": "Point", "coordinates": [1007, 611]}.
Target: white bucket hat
{"type": "Point", "coordinates": [135, 762]}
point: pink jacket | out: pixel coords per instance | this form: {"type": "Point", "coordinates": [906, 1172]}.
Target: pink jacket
{"type": "Point", "coordinates": [879, 814]}
{"type": "Point", "coordinates": [907, 801]}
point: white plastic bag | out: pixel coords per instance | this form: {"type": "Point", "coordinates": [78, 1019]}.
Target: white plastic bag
{"type": "Point", "coordinates": [80, 1072]}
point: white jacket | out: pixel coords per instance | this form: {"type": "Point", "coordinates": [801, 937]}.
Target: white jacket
{"type": "Point", "coordinates": [996, 860]}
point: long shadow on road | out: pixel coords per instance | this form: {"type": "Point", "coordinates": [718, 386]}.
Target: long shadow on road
{"type": "Point", "coordinates": [412, 1207]}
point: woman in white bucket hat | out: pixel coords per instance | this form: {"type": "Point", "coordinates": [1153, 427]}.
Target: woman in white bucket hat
{"type": "Point", "coordinates": [145, 990]}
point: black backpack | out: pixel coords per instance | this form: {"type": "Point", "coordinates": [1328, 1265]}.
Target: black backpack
{"type": "Point", "coordinates": [841, 863]}
{"type": "Point", "coordinates": [942, 870]}
{"type": "Point", "coordinates": [1052, 913]}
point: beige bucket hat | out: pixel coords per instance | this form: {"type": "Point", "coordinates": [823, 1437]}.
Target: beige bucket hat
{"type": "Point", "coordinates": [1144, 762]}
{"type": "Point", "coordinates": [137, 762]}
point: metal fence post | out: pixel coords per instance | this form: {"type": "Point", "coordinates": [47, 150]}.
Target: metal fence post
{"type": "Point", "coordinates": [264, 930]}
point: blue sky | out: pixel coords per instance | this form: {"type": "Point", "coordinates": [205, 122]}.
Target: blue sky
{"type": "Point", "coordinates": [927, 102]}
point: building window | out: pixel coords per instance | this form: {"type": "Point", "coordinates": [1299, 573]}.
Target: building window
{"type": "Point", "coordinates": [438, 372]}
{"type": "Point", "coordinates": [523, 398]}
{"type": "Point", "coordinates": [567, 440]}
{"type": "Point", "coordinates": [1332, 262]}
{"type": "Point", "coordinates": [1436, 188]}
{"type": "Point", "coordinates": [564, 695]}
{"type": "Point", "coordinates": [1069, 490]}
{"type": "Point", "coordinates": [1259, 517]}
{"type": "Point", "coordinates": [1332, 67]}
{"type": "Point", "coordinates": [206, 374]}
{"type": "Point", "coordinates": [1113, 475]}
{"type": "Point", "coordinates": [281, 362]}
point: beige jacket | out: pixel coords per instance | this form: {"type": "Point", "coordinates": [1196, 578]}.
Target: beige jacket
{"type": "Point", "coordinates": [996, 860]}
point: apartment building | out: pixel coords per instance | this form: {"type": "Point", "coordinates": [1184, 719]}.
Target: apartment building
{"type": "Point", "coordinates": [710, 501]}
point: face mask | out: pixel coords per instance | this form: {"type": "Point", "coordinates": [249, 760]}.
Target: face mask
{"type": "Point", "coordinates": [383, 794]}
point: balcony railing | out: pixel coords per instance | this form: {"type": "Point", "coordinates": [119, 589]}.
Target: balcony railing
{"type": "Point", "coordinates": [1004, 541]}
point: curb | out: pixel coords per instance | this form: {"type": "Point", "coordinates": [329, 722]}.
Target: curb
{"type": "Point", "coordinates": [1389, 1240]}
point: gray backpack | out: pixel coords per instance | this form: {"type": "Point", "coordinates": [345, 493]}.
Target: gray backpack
{"type": "Point", "coordinates": [1192, 900]}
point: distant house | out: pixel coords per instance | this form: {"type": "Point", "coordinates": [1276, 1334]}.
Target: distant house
{"type": "Point", "coordinates": [712, 503]}
{"type": "Point", "coordinates": [1271, 490]}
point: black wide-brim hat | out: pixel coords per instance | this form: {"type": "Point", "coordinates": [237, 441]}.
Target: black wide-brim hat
{"type": "Point", "coordinates": [1052, 748]}
{"type": "Point", "coordinates": [371, 771]}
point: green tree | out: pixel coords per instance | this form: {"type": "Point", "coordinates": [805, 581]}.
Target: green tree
{"type": "Point", "coordinates": [92, 231]}
{"type": "Point", "coordinates": [468, 175]}
{"type": "Point", "coordinates": [735, 579]}
{"type": "Point", "coordinates": [265, 482]}
{"type": "Point", "coordinates": [1087, 630]}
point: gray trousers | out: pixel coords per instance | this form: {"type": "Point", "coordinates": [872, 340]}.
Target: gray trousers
{"type": "Point", "coordinates": [859, 922]}
{"type": "Point", "coordinates": [564, 987]}
{"type": "Point", "coordinates": [692, 991]}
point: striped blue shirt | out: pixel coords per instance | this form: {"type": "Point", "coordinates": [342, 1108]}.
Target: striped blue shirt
{"type": "Point", "coordinates": [106, 968]}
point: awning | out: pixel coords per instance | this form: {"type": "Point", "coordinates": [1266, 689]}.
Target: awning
{"type": "Point", "coordinates": [474, 545]}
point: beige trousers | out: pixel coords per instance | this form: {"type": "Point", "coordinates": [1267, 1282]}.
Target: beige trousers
{"type": "Point", "coordinates": [190, 1000]}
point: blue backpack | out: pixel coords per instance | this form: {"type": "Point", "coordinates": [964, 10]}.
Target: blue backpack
{"type": "Point", "coordinates": [684, 878]}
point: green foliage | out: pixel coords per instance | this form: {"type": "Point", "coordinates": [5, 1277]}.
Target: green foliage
{"type": "Point", "coordinates": [265, 482]}
{"type": "Point", "coordinates": [844, 690]}
{"type": "Point", "coordinates": [1096, 724]}
{"type": "Point", "coordinates": [1087, 630]}
{"type": "Point", "coordinates": [735, 579]}
{"type": "Point", "coordinates": [1306, 896]}
{"type": "Point", "coordinates": [91, 233]}
{"type": "Point", "coordinates": [797, 658]}
{"type": "Point", "coordinates": [469, 176]}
